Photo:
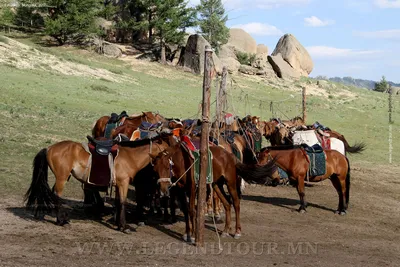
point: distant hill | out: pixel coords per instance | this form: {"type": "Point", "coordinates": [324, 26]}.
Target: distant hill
{"type": "Point", "coordinates": [368, 84]}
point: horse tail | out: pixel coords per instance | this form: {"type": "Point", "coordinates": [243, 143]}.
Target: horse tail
{"type": "Point", "coordinates": [254, 173]}
{"type": "Point", "coordinates": [356, 148]}
{"type": "Point", "coordinates": [39, 196]}
{"type": "Point", "coordinates": [239, 186]}
{"type": "Point", "coordinates": [348, 182]}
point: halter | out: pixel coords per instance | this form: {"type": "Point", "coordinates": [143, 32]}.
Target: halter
{"type": "Point", "coordinates": [171, 173]}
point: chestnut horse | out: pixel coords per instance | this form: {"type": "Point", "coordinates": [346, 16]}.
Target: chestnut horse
{"type": "Point", "coordinates": [294, 161]}
{"type": "Point", "coordinates": [175, 168]}
{"type": "Point", "coordinates": [98, 129]}
{"type": "Point", "coordinates": [68, 158]}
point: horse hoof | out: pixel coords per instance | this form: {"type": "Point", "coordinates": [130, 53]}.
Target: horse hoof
{"type": "Point", "coordinates": [192, 240]}
{"type": "Point", "coordinates": [126, 231]}
{"type": "Point", "coordinates": [186, 238]}
{"type": "Point", "coordinates": [301, 211]}
{"type": "Point", "coordinates": [224, 234]}
{"type": "Point", "coordinates": [238, 235]}
{"type": "Point", "coordinates": [141, 224]}
{"type": "Point", "coordinates": [218, 217]}
{"type": "Point", "coordinates": [341, 212]}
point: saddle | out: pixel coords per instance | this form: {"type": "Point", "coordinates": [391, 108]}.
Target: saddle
{"type": "Point", "coordinates": [313, 149]}
{"type": "Point", "coordinates": [102, 147]}
{"type": "Point", "coordinates": [316, 158]}
{"type": "Point", "coordinates": [147, 126]}
{"type": "Point", "coordinates": [103, 153]}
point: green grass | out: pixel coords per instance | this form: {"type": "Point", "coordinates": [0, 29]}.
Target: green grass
{"type": "Point", "coordinates": [3, 39]}
{"type": "Point", "coordinates": [39, 108]}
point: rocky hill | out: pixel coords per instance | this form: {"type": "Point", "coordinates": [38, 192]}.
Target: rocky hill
{"type": "Point", "coordinates": [368, 84]}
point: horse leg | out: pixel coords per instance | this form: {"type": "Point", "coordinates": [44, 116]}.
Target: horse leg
{"type": "Point", "coordinates": [236, 204]}
{"type": "Point", "coordinates": [341, 190]}
{"type": "Point", "coordinates": [174, 195]}
{"type": "Point", "coordinates": [123, 192]}
{"type": "Point", "coordinates": [227, 207]}
{"type": "Point", "coordinates": [117, 207]}
{"type": "Point", "coordinates": [185, 209]}
{"type": "Point", "coordinates": [192, 214]}
{"type": "Point", "coordinates": [165, 203]}
{"type": "Point", "coordinates": [217, 206]}
{"type": "Point", "coordinates": [93, 202]}
{"type": "Point", "coordinates": [209, 209]}
{"type": "Point", "coordinates": [300, 191]}
{"type": "Point", "coordinates": [62, 217]}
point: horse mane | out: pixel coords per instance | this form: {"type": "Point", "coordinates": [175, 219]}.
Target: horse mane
{"type": "Point", "coordinates": [138, 143]}
{"type": "Point", "coordinates": [281, 147]}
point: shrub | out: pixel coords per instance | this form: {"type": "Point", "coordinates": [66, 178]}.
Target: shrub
{"type": "Point", "coordinates": [245, 58]}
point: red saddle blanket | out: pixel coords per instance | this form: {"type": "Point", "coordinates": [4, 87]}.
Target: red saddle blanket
{"type": "Point", "coordinates": [325, 141]}
{"type": "Point", "coordinates": [101, 166]}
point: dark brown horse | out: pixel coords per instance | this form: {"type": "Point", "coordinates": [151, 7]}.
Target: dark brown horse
{"type": "Point", "coordinates": [295, 162]}
{"type": "Point", "coordinates": [68, 158]}
{"type": "Point", "coordinates": [99, 127]}
{"type": "Point", "coordinates": [175, 168]}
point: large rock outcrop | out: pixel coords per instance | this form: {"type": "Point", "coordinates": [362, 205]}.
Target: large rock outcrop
{"type": "Point", "coordinates": [294, 54]}
{"type": "Point", "coordinates": [242, 41]}
{"type": "Point", "coordinates": [282, 68]}
{"type": "Point", "coordinates": [193, 57]}
{"type": "Point", "coordinates": [262, 49]}
{"type": "Point", "coordinates": [228, 58]}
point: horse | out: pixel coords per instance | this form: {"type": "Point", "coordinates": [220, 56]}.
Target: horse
{"type": "Point", "coordinates": [99, 127]}
{"type": "Point", "coordinates": [296, 163]}
{"type": "Point", "coordinates": [175, 169]}
{"type": "Point", "coordinates": [69, 158]}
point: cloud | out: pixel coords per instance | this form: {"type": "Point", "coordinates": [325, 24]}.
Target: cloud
{"type": "Point", "coordinates": [333, 52]}
{"type": "Point", "coordinates": [313, 21]}
{"type": "Point", "coordinates": [262, 4]}
{"type": "Point", "coordinates": [387, 3]}
{"type": "Point", "coordinates": [262, 29]}
{"type": "Point", "coordinates": [393, 34]}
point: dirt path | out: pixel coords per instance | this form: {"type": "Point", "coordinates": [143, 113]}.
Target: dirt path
{"type": "Point", "coordinates": [274, 234]}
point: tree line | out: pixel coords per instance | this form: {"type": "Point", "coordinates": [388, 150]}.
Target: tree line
{"type": "Point", "coordinates": [157, 21]}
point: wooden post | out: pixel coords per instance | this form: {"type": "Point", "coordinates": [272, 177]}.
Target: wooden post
{"type": "Point", "coordinates": [221, 96]}
{"type": "Point", "coordinates": [390, 104]}
{"type": "Point", "coordinates": [205, 127]}
{"type": "Point", "coordinates": [304, 105]}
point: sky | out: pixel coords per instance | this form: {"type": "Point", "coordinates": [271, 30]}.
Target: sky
{"type": "Point", "coordinates": [357, 38]}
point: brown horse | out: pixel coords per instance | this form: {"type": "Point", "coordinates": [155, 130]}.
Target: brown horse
{"type": "Point", "coordinates": [295, 162]}
{"type": "Point", "coordinates": [68, 158]}
{"type": "Point", "coordinates": [175, 168]}
{"type": "Point", "coordinates": [98, 129]}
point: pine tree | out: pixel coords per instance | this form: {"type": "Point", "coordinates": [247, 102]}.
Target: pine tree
{"type": "Point", "coordinates": [71, 19]}
{"type": "Point", "coordinates": [167, 20]}
{"type": "Point", "coordinates": [212, 23]}
{"type": "Point", "coordinates": [381, 86]}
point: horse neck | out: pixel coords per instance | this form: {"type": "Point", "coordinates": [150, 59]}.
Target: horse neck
{"type": "Point", "coordinates": [182, 162]}
{"type": "Point", "coordinates": [285, 158]}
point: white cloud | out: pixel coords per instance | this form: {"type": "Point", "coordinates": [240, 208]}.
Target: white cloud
{"type": "Point", "coordinates": [333, 52]}
{"type": "Point", "coordinates": [313, 21]}
{"type": "Point", "coordinates": [393, 34]}
{"type": "Point", "coordinates": [387, 3]}
{"type": "Point", "coordinates": [257, 28]}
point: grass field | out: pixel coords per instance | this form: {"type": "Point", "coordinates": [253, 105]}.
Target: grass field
{"type": "Point", "coordinates": [40, 107]}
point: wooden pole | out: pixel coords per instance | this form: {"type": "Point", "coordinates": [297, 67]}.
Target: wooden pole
{"type": "Point", "coordinates": [390, 104]}
{"type": "Point", "coordinates": [221, 96]}
{"type": "Point", "coordinates": [205, 127]}
{"type": "Point", "coordinates": [304, 105]}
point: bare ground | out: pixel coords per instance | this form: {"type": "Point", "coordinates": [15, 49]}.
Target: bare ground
{"type": "Point", "coordinates": [274, 234]}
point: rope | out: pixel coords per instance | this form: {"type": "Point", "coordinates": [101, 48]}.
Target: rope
{"type": "Point", "coordinates": [174, 184]}
{"type": "Point", "coordinates": [215, 224]}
